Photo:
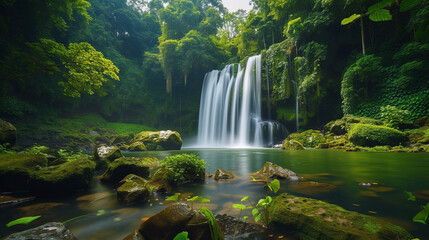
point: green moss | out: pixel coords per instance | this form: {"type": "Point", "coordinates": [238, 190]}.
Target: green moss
{"type": "Point", "coordinates": [137, 146]}
{"type": "Point", "coordinates": [292, 145]}
{"type": "Point", "coordinates": [371, 135]}
{"type": "Point", "coordinates": [17, 169]}
{"type": "Point", "coordinates": [309, 138]}
{"type": "Point", "coordinates": [161, 140]}
{"type": "Point", "coordinates": [313, 219]}
{"type": "Point", "coordinates": [63, 178]}
{"type": "Point", "coordinates": [186, 167]}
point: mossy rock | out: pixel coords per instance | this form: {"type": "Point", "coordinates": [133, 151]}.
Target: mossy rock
{"type": "Point", "coordinates": [137, 146]}
{"type": "Point", "coordinates": [64, 178]}
{"type": "Point", "coordinates": [311, 219]}
{"type": "Point", "coordinates": [370, 135]}
{"type": "Point", "coordinates": [7, 133]}
{"type": "Point", "coordinates": [133, 190]}
{"type": "Point", "coordinates": [168, 140]}
{"type": "Point", "coordinates": [122, 167]}
{"type": "Point", "coordinates": [292, 145]}
{"type": "Point", "coordinates": [104, 155]}
{"type": "Point", "coordinates": [122, 139]}
{"type": "Point", "coordinates": [310, 138]}
{"type": "Point", "coordinates": [222, 174]}
{"type": "Point", "coordinates": [271, 170]}
{"type": "Point", "coordinates": [17, 169]}
{"type": "Point", "coordinates": [343, 125]}
{"type": "Point", "coordinates": [162, 180]}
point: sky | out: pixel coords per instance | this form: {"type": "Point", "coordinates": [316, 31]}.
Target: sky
{"type": "Point", "coordinates": [234, 5]}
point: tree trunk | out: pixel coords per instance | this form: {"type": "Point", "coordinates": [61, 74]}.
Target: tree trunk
{"type": "Point", "coordinates": [169, 83]}
{"type": "Point", "coordinates": [362, 35]}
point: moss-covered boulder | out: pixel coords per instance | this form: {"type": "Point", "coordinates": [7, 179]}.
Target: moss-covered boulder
{"type": "Point", "coordinates": [123, 166]}
{"type": "Point", "coordinates": [271, 170]}
{"type": "Point", "coordinates": [137, 146]}
{"type": "Point", "coordinates": [64, 178]}
{"type": "Point", "coordinates": [161, 140]}
{"type": "Point", "coordinates": [133, 189]}
{"type": "Point", "coordinates": [162, 180]}
{"type": "Point", "coordinates": [104, 155]}
{"type": "Point", "coordinates": [292, 145]}
{"type": "Point", "coordinates": [371, 135]}
{"type": "Point", "coordinates": [122, 139]}
{"type": "Point", "coordinates": [310, 219]}
{"type": "Point", "coordinates": [17, 169]}
{"type": "Point", "coordinates": [7, 133]}
{"type": "Point", "coordinates": [177, 218]}
{"type": "Point", "coordinates": [222, 174]}
{"type": "Point", "coordinates": [309, 138]}
{"type": "Point", "coordinates": [343, 125]}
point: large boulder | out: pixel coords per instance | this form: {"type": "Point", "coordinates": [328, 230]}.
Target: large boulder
{"type": "Point", "coordinates": [245, 230]}
{"type": "Point", "coordinates": [137, 146]}
{"type": "Point", "coordinates": [309, 218]}
{"type": "Point", "coordinates": [64, 178]}
{"type": "Point", "coordinates": [121, 167]}
{"type": "Point", "coordinates": [292, 145]}
{"type": "Point", "coordinates": [271, 170]}
{"type": "Point", "coordinates": [104, 155]}
{"type": "Point", "coordinates": [7, 133]}
{"type": "Point", "coordinates": [161, 140]}
{"type": "Point", "coordinates": [48, 231]}
{"type": "Point", "coordinates": [309, 138]}
{"type": "Point", "coordinates": [133, 189]}
{"type": "Point", "coordinates": [371, 135]}
{"type": "Point", "coordinates": [174, 219]}
{"type": "Point", "coordinates": [343, 125]}
{"type": "Point", "coordinates": [17, 169]}
{"type": "Point", "coordinates": [222, 174]}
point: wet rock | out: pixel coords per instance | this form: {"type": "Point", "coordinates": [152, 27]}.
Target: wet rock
{"type": "Point", "coordinates": [6, 200]}
{"type": "Point", "coordinates": [292, 145]}
{"type": "Point", "coordinates": [223, 174]}
{"type": "Point", "coordinates": [16, 170]}
{"type": "Point", "coordinates": [162, 140]}
{"type": "Point", "coordinates": [104, 155]}
{"type": "Point", "coordinates": [174, 219]}
{"type": "Point", "coordinates": [133, 190]}
{"type": "Point", "coordinates": [270, 170]}
{"type": "Point", "coordinates": [309, 218]}
{"type": "Point", "coordinates": [245, 230]}
{"type": "Point", "coordinates": [39, 208]}
{"type": "Point", "coordinates": [64, 178]}
{"type": "Point", "coordinates": [163, 180]}
{"type": "Point", "coordinates": [7, 133]}
{"type": "Point", "coordinates": [48, 231]}
{"type": "Point", "coordinates": [93, 133]}
{"type": "Point", "coordinates": [121, 167]}
{"type": "Point", "coordinates": [137, 146]}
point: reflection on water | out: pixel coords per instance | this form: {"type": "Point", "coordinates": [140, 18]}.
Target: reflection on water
{"type": "Point", "coordinates": [328, 175]}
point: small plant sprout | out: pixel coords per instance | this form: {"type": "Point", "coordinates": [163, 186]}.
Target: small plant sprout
{"type": "Point", "coordinates": [24, 220]}
{"type": "Point", "coordinates": [241, 207]}
{"type": "Point", "coordinates": [423, 215]}
{"type": "Point", "coordinates": [274, 185]}
{"type": "Point", "coordinates": [173, 198]}
{"type": "Point", "coordinates": [411, 197]}
{"type": "Point", "coordinates": [197, 198]}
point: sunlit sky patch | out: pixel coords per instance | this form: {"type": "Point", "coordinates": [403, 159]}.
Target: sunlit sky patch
{"type": "Point", "coordinates": [234, 5]}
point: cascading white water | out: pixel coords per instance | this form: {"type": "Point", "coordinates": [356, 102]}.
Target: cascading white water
{"type": "Point", "coordinates": [230, 109]}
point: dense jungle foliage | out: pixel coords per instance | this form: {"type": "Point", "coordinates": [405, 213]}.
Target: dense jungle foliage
{"type": "Point", "coordinates": [141, 61]}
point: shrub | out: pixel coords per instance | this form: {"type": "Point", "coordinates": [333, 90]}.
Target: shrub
{"type": "Point", "coordinates": [393, 116]}
{"type": "Point", "coordinates": [372, 135]}
{"type": "Point", "coordinates": [186, 167]}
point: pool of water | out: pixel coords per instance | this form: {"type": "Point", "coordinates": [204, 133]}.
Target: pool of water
{"type": "Point", "coordinates": [334, 176]}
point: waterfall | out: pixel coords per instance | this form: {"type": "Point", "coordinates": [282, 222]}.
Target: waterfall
{"type": "Point", "coordinates": [230, 109]}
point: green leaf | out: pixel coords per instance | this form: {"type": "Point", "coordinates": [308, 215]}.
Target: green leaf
{"type": "Point", "coordinates": [408, 4]}
{"type": "Point", "coordinates": [181, 236]}
{"type": "Point", "coordinates": [100, 212]}
{"type": "Point", "coordinates": [255, 211]}
{"type": "Point", "coordinates": [24, 220]}
{"type": "Point", "coordinates": [239, 206]}
{"type": "Point", "coordinates": [411, 197]}
{"type": "Point", "coordinates": [422, 216]}
{"type": "Point", "coordinates": [245, 198]}
{"type": "Point", "coordinates": [350, 19]}
{"type": "Point", "coordinates": [203, 200]}
{"type": "Point", "coordinates": [245, 217]}
{"type": "Point", "coordinates": [175, 197]}
{"type": "Point", "coordinates": [380, 15]}
{"type": "Point", "coordinates": [151, 188]}
{"type": "Point", "coordinates": [117, 219]}
{"type": "Point", "coordinates": [379, 5]}
{"type": "Point", "coordinates": [274, 185]}
{"type": "Point", "coordinates": [193, 199]}
{"type": "Point", "coordinates": [257, 218]}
